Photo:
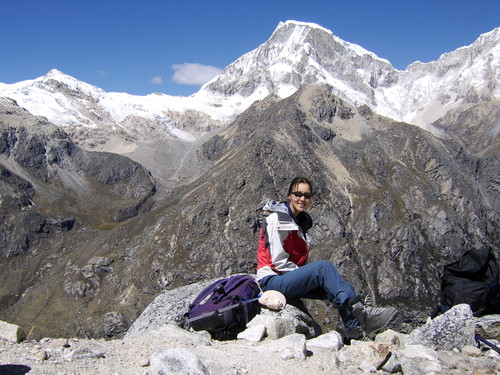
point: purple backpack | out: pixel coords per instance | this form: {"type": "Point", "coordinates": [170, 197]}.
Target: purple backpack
{"type": "Point", "coordinates": [224, 307]}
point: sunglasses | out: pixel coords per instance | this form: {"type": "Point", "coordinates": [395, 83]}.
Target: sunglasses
{"type": "Point", "coordinates": [300, 194]}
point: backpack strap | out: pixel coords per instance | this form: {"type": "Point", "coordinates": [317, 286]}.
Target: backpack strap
{"type": "Point", "coordinates": [205, 293]}
{"type": "Point", "coordinates": [235, 281]}
{"type": "Point", "coordinates": [223, 311]}
{"type": "Point", "coordinates": [229, 284]}
{"type": "Point", "coordinates": [493, 346]}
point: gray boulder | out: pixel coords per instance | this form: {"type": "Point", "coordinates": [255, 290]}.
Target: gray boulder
{"type": "Point", "coordinates": [167, 308]}
{"type": "Point", "coordinates": [177, 361]}
{"type": "Point", "coordinates": [453, 329]}
{"type": "Point", "coordinates": [286, 322]}
{"type": "Point", "coordinates": [11, 332]}
{"type": "Point", "coordinates": [331, 341]}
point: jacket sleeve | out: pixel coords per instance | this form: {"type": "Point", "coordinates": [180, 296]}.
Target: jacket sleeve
{"type": "Point", "coordinates": [280, 257]}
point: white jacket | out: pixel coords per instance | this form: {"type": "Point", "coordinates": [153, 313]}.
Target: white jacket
{"type": "Point", "coordinates": [283, 246]}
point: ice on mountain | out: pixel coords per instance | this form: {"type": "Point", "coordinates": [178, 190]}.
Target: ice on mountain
{"type": "Point", "coordinates": [296, 53]}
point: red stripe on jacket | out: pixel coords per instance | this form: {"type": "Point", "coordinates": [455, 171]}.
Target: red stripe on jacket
{"type": "Point", "coordinates": [294, 245]}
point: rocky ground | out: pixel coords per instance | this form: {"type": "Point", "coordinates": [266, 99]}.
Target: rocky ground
{"type": "Point", "coordinates": [173, 350]}
{"type": "Point", "coordinates": [133, 356]}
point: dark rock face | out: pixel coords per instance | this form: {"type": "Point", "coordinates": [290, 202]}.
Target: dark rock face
{"type": "Point", "coordinates": [392, 204]}
{"type": "Point", "coordinates": [50, 189]}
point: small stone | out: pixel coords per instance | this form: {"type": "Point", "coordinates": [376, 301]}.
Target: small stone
{"type": "Point", "coordinates": [331, 341]}
{"type": "Point", "coordinates": [59, 343]}
{"type": "Point", "coordinates": [392, 364]}
{"type": "Point", "coordinates": [177, 361]}
{"type": "Point", "coordinates": [471, 351]}
{"type": "Point", "coordinates": [82, 353]}
{"type": "Point", "coordinates": [41, 355]}
{"type": "Point", "coordinates": [391, 337]}
{"type": "Point", "coordinates": [488, 326]}
{"type": "Point", "coordinates": [287, 355]}
{"type": "Point", "coordinates": [492, 354]}
{"type": "Point", "coordinates": [253, 334]}
{"type": "Point", "coordinates": [144, 362]}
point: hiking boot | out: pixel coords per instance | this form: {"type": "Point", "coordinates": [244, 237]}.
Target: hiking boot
{"type": "Point", "coordinates": [373, 319]}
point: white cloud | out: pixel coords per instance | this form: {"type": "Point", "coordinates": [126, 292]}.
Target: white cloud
{"type": "Point", "coordinates": [102, 73]}
{"type": "Point", "coordinates": [157, 80]}
{"type": "Point", "coordinates": [194, 74]}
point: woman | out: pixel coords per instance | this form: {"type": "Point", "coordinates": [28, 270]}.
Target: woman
{"type": "Point", "coordinates": [281, 264]}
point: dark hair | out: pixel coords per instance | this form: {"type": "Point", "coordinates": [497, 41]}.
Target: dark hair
{"type": "Point", "coordinates": [296, 181]}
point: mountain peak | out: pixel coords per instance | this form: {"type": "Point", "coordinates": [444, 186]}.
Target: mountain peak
{"type": "Point", "coordinates": [303, 24]}
{"type": "Point", "coordinates": [57, 75]}
{"type": "Point", "coordinates": [350, 47]}
{"type": "Point", "coordinates": [54, 73]}
{"type": "Point", "coordinates": [299, 53]}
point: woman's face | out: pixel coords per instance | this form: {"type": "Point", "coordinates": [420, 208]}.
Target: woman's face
{"type": "Point", "coordinates": [300, 198]}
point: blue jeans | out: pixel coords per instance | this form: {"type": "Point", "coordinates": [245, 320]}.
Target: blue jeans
{"type": "Point", "coordinates": [318, 280]}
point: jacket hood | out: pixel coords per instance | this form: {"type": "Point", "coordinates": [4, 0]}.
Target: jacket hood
{"type": "Point", "coordinates": [274, 206]}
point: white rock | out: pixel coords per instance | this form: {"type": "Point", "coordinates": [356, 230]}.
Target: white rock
{"type": "Point", "coordinates": [420, 352]}
{"type": "Point", "coordinates": [292, 346]}
{"type": "Point", "coordinates": [253, 334]}
{"type": "Point", "coordinates": [276, 327]}
{"type": "Point", "coordinates": [82, 353]}
{"type": "Point", "coordinates": [366, 355]}
{"type": "Point", "coordinates": [331, 341]}
{"type": "Point", "coordinates": [11, 332]}
{"type": "Point", "coordinates": [471, 351]}
{"type": "Point", "coordinates": [177, 361]}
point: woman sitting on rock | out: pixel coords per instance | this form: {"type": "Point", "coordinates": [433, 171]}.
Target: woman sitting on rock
{"type": "Point", "coordinates": [281, 265]}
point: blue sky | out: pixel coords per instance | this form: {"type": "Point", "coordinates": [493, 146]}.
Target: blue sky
{"type": "Point", "coordinates": [138, 46]}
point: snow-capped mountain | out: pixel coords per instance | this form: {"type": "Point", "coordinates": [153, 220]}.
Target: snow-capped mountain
{"type": "Point", "coordinates": [297, 53]}
{"type": "Point", "coordinates": [301, 53]}
{"type": "Point", "coordinates": [70, 103]}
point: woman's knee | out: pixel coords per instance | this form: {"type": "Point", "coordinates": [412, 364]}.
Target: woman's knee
{"type": "Point", "coordinates": [325, 265]}
{"type": "Point", "coordinates": [327, 269]}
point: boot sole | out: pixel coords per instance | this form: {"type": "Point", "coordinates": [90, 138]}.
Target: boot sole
{"type": "Point", "coordinates": [371, 335]}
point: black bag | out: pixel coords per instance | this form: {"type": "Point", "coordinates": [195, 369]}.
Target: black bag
{"type": "Point", "coordinates": [474, 280]}
{"type": "Point", "coordinates": [224, 307]}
